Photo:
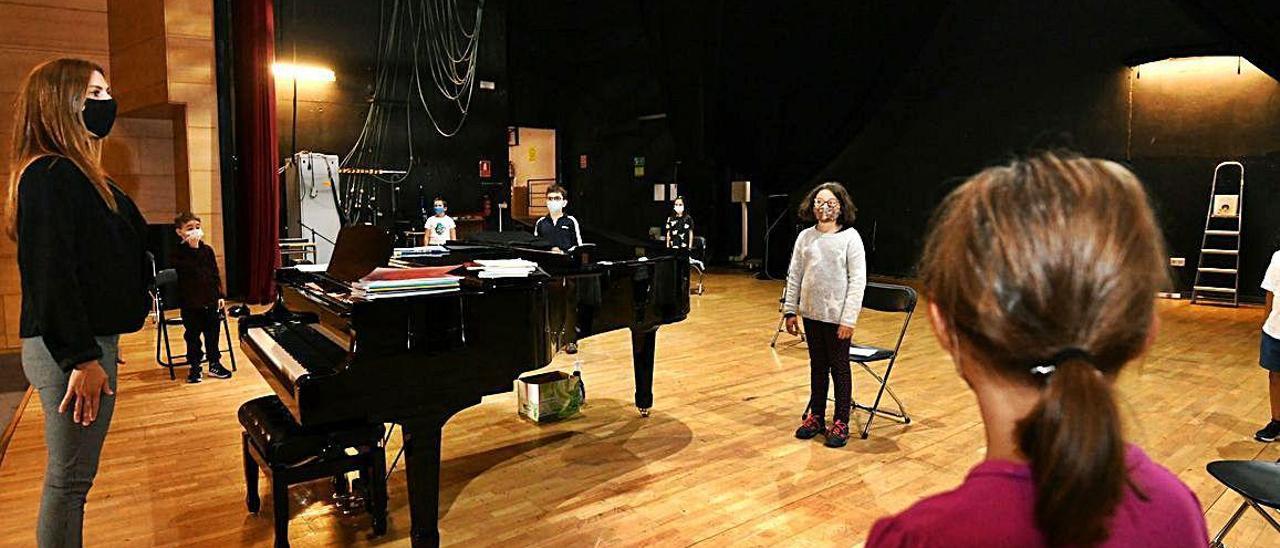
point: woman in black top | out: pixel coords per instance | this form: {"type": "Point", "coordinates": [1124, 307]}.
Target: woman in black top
{"type": "Point", "coordinates": [679, 226]}
{"type": "Point", "coordinates": [84, 275]}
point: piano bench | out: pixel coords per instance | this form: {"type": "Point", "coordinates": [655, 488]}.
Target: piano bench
{"type": "Point", "coordinates": [288, 454]}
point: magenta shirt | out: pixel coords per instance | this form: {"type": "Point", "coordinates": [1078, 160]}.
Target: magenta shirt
{"type": "Point", "coordinates": [995, 507]}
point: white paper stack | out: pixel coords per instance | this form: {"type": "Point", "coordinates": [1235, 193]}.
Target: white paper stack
{"type": "Point", "coordinates": [505, 268]}
{"type": "Point", "coordinates": [424, 251]}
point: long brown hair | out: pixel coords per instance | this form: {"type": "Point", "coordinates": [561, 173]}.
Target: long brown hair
{"type": "Point", "coordinates": [1054, 255]}
{"type": "Point", "coordinates": [848, 211]}
{"type": "Point", "coordinates": [47, 121]}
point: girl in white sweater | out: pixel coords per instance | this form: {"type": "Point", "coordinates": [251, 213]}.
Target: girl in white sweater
{"type": "Point", "coordinates": [825, 283]}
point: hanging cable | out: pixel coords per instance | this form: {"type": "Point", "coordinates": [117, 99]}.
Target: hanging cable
{"type": "Point", "coordinates": [441, 47]}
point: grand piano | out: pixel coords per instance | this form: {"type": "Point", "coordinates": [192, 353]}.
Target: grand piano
{"type": "Point", "coordinates": [335, 358]}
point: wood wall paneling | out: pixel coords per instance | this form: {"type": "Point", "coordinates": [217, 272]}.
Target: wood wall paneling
{"type": "Point", "coordinates": [159, 58]}
{"type": "Point", "coordinates": [16, 62]}
{"type": "Point", "coordinates": [132, 21]}
{"type": "Point", "coordinates": [53, 29]}
{"type": "Point", "coordinates": [189, 18]}
{"type": "Point", "coordinates": [138, 77]}
{"type": "Point", "coordinates": [12, 305]}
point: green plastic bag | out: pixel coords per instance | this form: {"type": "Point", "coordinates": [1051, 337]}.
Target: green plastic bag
{"type": "Point", "coordinates": [548, 397]}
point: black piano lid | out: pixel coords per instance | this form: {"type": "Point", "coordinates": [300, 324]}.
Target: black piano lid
{"type": "Point", "coordinates": [359, 250]}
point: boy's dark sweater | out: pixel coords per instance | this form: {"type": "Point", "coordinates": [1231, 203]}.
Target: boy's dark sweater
{"type": "Point", "coordinates": [199, 283]}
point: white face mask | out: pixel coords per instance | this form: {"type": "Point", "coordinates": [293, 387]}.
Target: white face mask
{"type": "Point", "coordinates": [678, 209]}
{"type": "Point", "coordinates": [194, 235]}
{"type": "Point", "coordinates": [555, 206]}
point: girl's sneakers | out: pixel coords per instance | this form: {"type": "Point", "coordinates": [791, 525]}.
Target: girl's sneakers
{"type": "Point", "coordinates": [812, 426]}
{"type": "Point", "coordinates": [838, 434]}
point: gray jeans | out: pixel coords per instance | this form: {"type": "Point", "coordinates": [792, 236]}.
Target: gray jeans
{"type": "Point", "coordinates": [73, 449]}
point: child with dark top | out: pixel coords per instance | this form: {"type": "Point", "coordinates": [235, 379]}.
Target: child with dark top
{"type": "Point", "coordinates": [558, 228]}
{"type": "Point", "coordinates": [200, 296]}
{"type": "Point", "coordinates": [679, 226]}
{"type": "Point", "coordinates": [1040, 278]}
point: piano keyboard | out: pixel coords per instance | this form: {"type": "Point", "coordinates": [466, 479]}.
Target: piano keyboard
{"type": "Point", "coordinates": [276, 354]}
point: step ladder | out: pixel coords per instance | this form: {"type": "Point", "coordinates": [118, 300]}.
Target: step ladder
{"type": "Point", "coordinates": [1218, 272]}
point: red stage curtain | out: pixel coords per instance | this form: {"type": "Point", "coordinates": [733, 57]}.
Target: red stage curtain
{"type": "Point", "coordinates": [257, 197]}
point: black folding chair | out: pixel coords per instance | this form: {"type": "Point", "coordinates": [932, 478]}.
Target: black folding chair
{"type": "Point", "coordinates": [884, 298]}
{"type": "Point", "coordinates": [698, 260]}
{"type": "Point", "coordinates": [1259, 484]}
{"type": "Point", "coordinates": [165, 279]}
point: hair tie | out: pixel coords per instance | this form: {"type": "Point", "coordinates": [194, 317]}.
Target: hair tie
{"type": "Point", "coordinates": [1047, 367]}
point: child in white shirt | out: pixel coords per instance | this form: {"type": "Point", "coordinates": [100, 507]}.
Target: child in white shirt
{"type": "Point", "coordinates": [825, 284]}
{"type": "Point", "coordinates": [1269, 353]}
{"type": "Point", "coordinates": [440, 228]}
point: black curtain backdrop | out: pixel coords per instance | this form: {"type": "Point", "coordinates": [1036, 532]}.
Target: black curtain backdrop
{"type": "Point", "coordinates": [899, 100]}
{"type": "Point", "coordinates": [1253, 26]}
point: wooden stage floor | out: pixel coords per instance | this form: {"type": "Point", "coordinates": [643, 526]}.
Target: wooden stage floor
{"type": "Point", "coordinates": [716, 464]}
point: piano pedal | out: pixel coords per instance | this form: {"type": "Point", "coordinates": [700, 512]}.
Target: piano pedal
{"type": "Point", "coordinates": [644, 412]}
{"type": "Point", "coordinates": [348, 496]}
{"type": "Point", "coordinates": [350, 505]}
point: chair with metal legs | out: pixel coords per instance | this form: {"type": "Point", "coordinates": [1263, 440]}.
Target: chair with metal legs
{"type": "Point", "coordinates": [697, 261]}
{"type": "Point", "coordinates": [883, 298]}
{"type": "Point", "coordinates": [1259, 484]}
{"type": "Point", "coordinates": [782, 321]}
{"type": "Point", "coordinates": [164, 350]}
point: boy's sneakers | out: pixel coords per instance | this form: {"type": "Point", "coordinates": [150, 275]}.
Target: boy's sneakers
{"type": "Point", "coordinates": [194, 376]}
{"type": "Point", "coordinates": [218, 372]}
{"type": "Point", "coordinates": [838, 434]}
{"type": "Point", "coordinates": [1268, 433]}
{"type": "Point", "coordinates": [812, 426]}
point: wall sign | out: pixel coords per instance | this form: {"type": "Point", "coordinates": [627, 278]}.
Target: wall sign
{"type": "Point", "coordinates": [582, 161]}
{"type": "Point", "coordinates": [638, 162]}
{"type": "Point", "coordinates": [486, 169]}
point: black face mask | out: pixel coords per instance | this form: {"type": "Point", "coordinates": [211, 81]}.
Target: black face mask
{"type": "Point", "coordinates": [99, 116]}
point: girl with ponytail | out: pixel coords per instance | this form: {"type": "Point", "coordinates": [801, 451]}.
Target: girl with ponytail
{"type": "Point", "coordinates": [1041, 277]}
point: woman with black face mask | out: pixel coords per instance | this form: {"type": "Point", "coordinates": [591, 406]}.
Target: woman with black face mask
{"type": "Point", "coordinates": [84, 275]}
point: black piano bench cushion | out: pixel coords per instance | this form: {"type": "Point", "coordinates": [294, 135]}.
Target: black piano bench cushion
{"type": "Point", "coordinates": [282, 441]}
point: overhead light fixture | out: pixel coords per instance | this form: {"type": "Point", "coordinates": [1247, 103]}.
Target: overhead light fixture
{"type": "Point", "coordinates": [303, 73]}
{"type": "Point", "coordinates": [1193, 66]}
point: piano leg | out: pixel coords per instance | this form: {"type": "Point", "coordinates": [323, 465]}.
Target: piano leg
{"type": "Point", "coordinates": [643, 343]}
{"type": "Point", "coordinates": [422, 470]}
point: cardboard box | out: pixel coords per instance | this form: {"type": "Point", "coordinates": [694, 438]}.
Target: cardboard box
{"type": "Point", "coordinates": [548, 397]}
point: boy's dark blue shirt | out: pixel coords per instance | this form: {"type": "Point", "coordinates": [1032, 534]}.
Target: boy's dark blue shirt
{"type": "Point", "coordinates": [562, 233]}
